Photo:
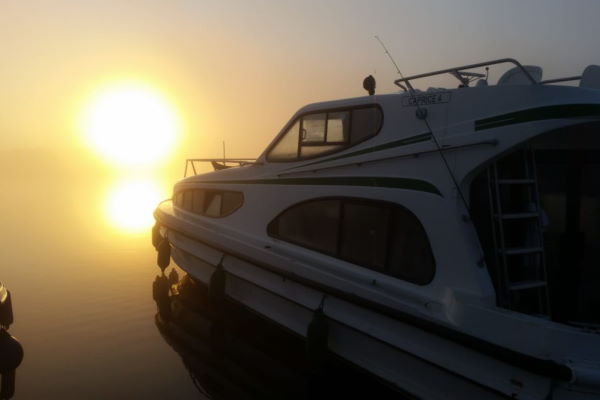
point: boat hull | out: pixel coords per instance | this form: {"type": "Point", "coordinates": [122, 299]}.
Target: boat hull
{"type": "Point", "coordinates": [399, 352]}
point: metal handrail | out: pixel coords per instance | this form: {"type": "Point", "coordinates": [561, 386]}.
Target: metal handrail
{"type": "Point", "coordinates": [456, 71]}
{"type": "Point", "coordinates": [239, 161]}
{"type": "Point", "coordinates": [566, 79]}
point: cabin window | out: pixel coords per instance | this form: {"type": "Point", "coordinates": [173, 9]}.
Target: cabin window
{"type": "Point", "coordinates": [187, 199]}
{"type": "Point", "coordinates": [313, 128]}
{"type": "Point", "coordinates": [209, 203]}
{"type": "Point", "coordinates": [410, 249]}
{"type": "Point", "coordinates": [287, 147]}
{"type": "Point", "coordinates": [178, 199]}
{"type": "Point", "coordinates": [198, 202]}
{"type": "Point", "coordinates": [364, 234]}
{"type": "Point", "coordinates": [381, 236]}
{"type": "Point", "coordinates": [213, 204]}
{"type": "Point", "coordinates": [312, 224]}
{"type": "Point", "coordinates": [569, 191]}
{"type": "Point", "coordinates": [365, 123]}
{"type": "Point", "coordinates": [321, 133]}
{"type": "Point", "coordinates": [231, 202]}
{"type": "Point", "coordinates": [337, 127]}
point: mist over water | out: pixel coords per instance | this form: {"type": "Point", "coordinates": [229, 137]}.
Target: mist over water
{"type": "Point", "coordinates": [81, 287]}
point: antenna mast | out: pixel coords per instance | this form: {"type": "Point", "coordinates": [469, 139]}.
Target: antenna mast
{"type": "Point", "coordinates": [393, 61]}
{"type": "Point", "coordinates": [422, 114]}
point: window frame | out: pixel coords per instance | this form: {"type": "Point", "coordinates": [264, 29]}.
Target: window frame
{"type": "Point", "coordinates": [340, 236]}
{"type": "Point", "coordinates": [345, 144]}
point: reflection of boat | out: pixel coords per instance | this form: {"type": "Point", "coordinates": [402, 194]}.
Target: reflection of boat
{"type": "Point", "coordinates": [243, 356]}
{"type": "Point", "coordinates": [447, 236]}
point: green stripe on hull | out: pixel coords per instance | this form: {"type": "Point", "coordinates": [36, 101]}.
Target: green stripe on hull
{"type": "Point", "coordinates": [539, 114]}
{"type": "Point", "coordinates": [383, 182]}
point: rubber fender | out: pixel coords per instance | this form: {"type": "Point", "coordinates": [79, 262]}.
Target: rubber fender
{"type": "Point", "coordinates": [216, 289]}
{"type": "Point", "coordinates": [160, 294]}
{"type": "Point", "coordinates": [317, 336]}
{"type": "Point", "coordinates": [156, 237]}
{"type": "Point", "coordinates": [6, 312]}
{"type": "Point", "coordinates": [163, 258]}
{"type": "Point", "coordinates": [173, 277]}
{"type": "Point", "coordinates": [11, 352]}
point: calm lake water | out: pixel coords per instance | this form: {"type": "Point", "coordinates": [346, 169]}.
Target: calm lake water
{"type": "Point", "coordinates": [85, 314]}
{"type": "Point", "coordinates": [82, 296]}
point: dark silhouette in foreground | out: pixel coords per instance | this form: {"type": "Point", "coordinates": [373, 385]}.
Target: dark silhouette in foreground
{"type": "Point", "coordinates": [11, 351]}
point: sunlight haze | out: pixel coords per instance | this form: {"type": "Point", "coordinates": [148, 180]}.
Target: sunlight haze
{"type": "Point", "coordinates": [238, 70]}
{"type": "Point", "coordinates": [102, 102]}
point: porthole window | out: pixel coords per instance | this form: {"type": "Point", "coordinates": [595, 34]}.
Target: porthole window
{"type": "Point", "coordinates": [381, 236]}
{"type": "Point", "coordinates": [209, 203]}
{"type": "Point", "coordinates": [325, 132]}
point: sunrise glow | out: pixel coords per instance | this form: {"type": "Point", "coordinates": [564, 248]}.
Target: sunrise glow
{"type": "Point", "coordinates": [130, 124]}
{"type": "Point", "coordinates": [129, 205]}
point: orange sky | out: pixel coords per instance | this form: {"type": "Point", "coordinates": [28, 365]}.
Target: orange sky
{"type": "Point", "coordinates": [237, 70]}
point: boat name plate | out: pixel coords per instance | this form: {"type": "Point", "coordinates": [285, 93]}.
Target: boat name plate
{"type": "Point", "coordinates": [426, 99]}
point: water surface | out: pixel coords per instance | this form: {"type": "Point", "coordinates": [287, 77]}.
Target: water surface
{"type": "Point", "coordinates": [82, 294]}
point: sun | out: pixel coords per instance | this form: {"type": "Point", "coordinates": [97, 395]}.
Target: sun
{"type": "Point", "coordinates": [130, 203]}
{"type": "Point", "coordinates": [130, 124]}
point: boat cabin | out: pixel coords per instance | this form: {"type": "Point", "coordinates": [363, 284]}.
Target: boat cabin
{"type": "Point", "coordinates": [525, 166]}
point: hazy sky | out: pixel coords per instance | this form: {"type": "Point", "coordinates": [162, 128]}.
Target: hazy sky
{"type": "Point", "coordinates": [237, 70]}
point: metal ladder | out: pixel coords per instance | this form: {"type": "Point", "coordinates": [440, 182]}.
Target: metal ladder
{"type": "Point", "coordinates": [521, 276]}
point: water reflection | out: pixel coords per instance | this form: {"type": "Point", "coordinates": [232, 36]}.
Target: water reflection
{"type": "Point", "coordinates": [231, 353]}
{"type": "Point", "coordinates": [80, 289]}
{"type": "Point", "coordinates": [129, 204]}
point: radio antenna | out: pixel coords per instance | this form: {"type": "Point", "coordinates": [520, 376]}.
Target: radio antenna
{"type": "Point", "coordinates": [422, 114]}
{"type": "Point", "coordinates": [393, 61]}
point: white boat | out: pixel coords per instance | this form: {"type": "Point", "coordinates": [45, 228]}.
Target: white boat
{"type": "Point", "coordinates": [450, 236]}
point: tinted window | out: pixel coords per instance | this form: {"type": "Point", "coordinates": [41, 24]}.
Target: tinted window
{"type": "Point", "coordinates": [365, 123]}
{"type": "Point", "coordinates": [213, 204]}
{"type": "Point", "coordinates": [312, 224]}
{"type": "Point", "coordinates": [409, 254]}
{"type": "Point", "coordinates": [231, 202]}
{"type": "Point", "coordinates": [326, 132]}
{"type": "Point", "coordinates": [364, 234]}
{"type": "Point", "coordinates": [198, 202]}
{"type": "Point", "coordinates": [210, 203]}
{"type": "Point", "coordinates": [382, 236]}
{"type": "Point", "coordinates": [178, 199]}
{"type": "Point", "coordinates": [187, 200]}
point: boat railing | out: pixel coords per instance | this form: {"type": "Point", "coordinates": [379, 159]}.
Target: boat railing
{"type": "Point", "coordinates": [462, 75]}
{"type": "Point", "coordinates": [217, 163]}
{"type": "Point", "coordinates": [558, 80]}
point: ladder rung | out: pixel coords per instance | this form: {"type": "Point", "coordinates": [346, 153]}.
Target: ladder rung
{"type": "Point", "coordinates": [523, 215]}
{"type": "Point", "coordinates": [521, 250]}
{"type": "Point", "coordinates": [526, 285]}
{"type": "Point", "coordinates": [516, 181]}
